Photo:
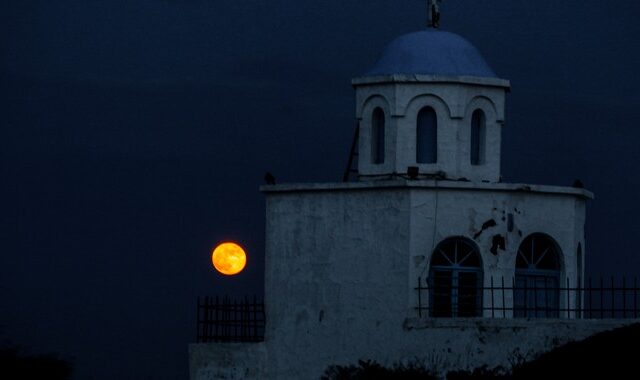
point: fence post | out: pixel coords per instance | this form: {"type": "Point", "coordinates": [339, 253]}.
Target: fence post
{"type": "Point", "coordinates": [579, 299]}
{"type": "Point", "coordinates": [624, 297]}
{"type": "Point", "coordinates": [493, 309]}
{"type": "Point", "coordinates": [513, 296]}
{"type": "Point", "coordinates": [635, 297]}
{"type": "Point", "coordinates": [568, 302]}
{"type": "Point", "coordinates": [419, 298]}
{"type": "Point", "coordinates": [601, 297]}
{"type": "Point", "coordinates": [613, 296]}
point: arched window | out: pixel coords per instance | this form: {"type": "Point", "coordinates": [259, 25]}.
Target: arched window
{"type": "Point", "coordinates": [537, 280]}
{"type": "Point", "coordinates": [478, 133]}
{"type": "Point", "coordinates": [427, 136]}
{"type": "Point", "coordinates": [377, 136]}
{"type": "Point", "coordinates": [455, 279]}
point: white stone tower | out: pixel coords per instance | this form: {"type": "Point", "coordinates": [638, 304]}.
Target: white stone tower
{"type": "Point", "coordinates": [440, 112]}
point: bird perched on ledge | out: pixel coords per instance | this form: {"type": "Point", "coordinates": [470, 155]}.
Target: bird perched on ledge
{"type": "Point", "coordinates": [269, 179]}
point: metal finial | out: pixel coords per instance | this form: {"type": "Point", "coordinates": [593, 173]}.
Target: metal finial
{"type": "Point", "coordinates": [434, 13]}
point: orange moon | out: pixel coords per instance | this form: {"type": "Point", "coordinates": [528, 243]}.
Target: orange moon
{"type": "Point", "coordinates": [229, 258]}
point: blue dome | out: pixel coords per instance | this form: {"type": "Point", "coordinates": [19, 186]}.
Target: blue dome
{"type": "Point", "coordinates": [431, 52]}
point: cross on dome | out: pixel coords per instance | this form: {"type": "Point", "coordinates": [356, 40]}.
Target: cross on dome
{"type": "Point", "coordinates": [433, 8]}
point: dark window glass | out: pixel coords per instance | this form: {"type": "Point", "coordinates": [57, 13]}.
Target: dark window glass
{"type": "Point", "coordinates": [377, 136]}
{"type": "Point", "coordinates": [427, 136]}
{"type": "Point", "coordinates": [478, 132]}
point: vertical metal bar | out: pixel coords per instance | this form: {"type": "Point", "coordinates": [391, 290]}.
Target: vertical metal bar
{"type": "Point", "coordinates": [202, 318]}
{"type": "Point", "coordinates": [590, 298]}
{"type": "Point", "coordinates": [255, 319]}
{"type": "Point", "coordinates": [220, 316]}
{"type": "Point", "coordinates": [419, 298]}
{"type": "Point", "coordinates": [236, 324]}
{"type": "Point", "coordinates": [493, 314]}
{"type": "Point", "coordinates": [244, 313]}
{"type": "Point", "coordinates": [526, 296]}
{"type": "Point", "coordinates": [535, 296]}
{"type": "Point", "coordinates": [613, 296]}
{"type": "Point", "coordinates": [547, 311]}
{"type": "Point", "coordinates": [216, 321]}
{"type": "Point", "coordinates": [601, 297]}
{"type": "Point", "coordinates": [635, 297]}
{"type": "Point", "coordinates": [568, 301]}
{"type": "Point", "coordinates": [579, 298]}
{"type": "Point", "coordinates": [513, 286]}
{"type": "Point", "coordinates": [624, 296]}
{"type": "Point", "coordinates": [225, 318]}
{"type": "Point", "coordinates": [205, 320]}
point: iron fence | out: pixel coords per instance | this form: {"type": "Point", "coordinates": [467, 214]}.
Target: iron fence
{"type": "Point", "coordinates": [230, 320]}
{"type": "Point", "coordinates": [530, 297]}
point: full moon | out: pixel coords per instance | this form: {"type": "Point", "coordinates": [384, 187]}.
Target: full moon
{"type": "Point", "coordinates": [229, 258]}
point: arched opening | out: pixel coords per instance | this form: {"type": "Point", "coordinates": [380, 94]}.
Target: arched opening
{"type": "Point", "coordinates": [537, 281]}
{"type": "Point", "coordinates": [478, 133]}
{"type": "Point", "coordinates": [427, 136]}
{"type": "Point", "coordinates": [377, 136]}
{"type": "Point", "coordinates": [455, 279]}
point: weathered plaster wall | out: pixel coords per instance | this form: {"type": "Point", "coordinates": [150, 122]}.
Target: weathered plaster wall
{"type": "Point", "coordinates": [454, 100]}
{"type": "Point", "coordinates": [342, 262]}
{"type": "Point", "coordinates": [449, 213]}
{"type": "Point", "coordinates": [441, 345]}
{"type": "Point", "coordinates": [335, 274]}
{"type": "Point", "coordinates": [467, 344]}
{"type": "Point", "coordinates": [231, 361]}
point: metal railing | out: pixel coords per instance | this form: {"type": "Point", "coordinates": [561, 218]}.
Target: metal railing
{"type": "Point", "coordinates": [530, 298]}
{"type": "Point", "coordinates": [230, 320]}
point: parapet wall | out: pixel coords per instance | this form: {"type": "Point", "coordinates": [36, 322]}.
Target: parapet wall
{"type": "Point", "coordinates": [230, 361]}
{"type": "Point", "coordinates": [470, 343]}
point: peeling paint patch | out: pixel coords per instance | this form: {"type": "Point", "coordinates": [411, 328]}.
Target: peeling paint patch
{"type": "Point", "coordinates": [488, 224]}
{"type": "Point", "coordinates": [497, 242]}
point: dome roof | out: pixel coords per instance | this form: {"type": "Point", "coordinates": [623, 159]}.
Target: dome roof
{"type": "Point", "coordinates": [431, 52]}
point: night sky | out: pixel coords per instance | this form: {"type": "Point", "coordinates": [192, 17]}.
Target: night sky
{"type": "Point", "coordinates": [135, 134]}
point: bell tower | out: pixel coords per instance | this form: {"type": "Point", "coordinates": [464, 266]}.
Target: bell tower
{"type": "Point", "coordinates": [431, 103]}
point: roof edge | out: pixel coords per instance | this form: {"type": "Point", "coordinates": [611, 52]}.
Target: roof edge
{"type": "Point", "coordinates": [429, 184]}
{"type": "Point", "coordinates": [424, 78]}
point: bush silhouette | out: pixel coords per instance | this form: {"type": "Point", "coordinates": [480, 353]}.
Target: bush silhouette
{"type": "Point", "coordinates": [607, 355]}
{"type": "Point", "coordinates": [17, 365]}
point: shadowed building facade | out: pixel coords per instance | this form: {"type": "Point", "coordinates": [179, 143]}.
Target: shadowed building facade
{"type": "Point", "coordinates": [427, 256]}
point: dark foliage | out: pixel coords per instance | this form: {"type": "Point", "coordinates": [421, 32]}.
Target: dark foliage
{"type": "Point", "coordinates": [608, 355]}
{"type": "Point", "coordinates": [17, 365]}
{"type": "Point", "coordinates": [372, 370]}
{"type": "Point", "coordinates": [478, 374]}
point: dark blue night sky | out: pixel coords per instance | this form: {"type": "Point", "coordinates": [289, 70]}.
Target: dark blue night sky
{"type": "Point", "coordinates": [135, 134]}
